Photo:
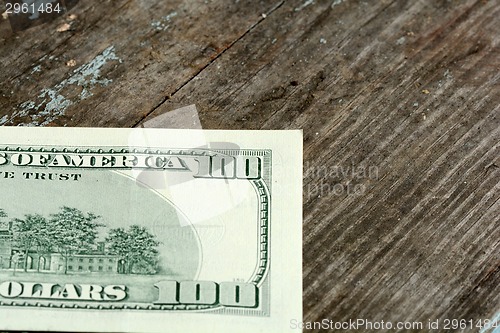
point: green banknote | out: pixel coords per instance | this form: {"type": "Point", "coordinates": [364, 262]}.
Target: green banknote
{"type": "Point", "coordinates": [150, 230]}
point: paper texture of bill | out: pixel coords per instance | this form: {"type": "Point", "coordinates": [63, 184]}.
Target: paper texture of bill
{"type": "Point", "coordinates": [150, 230]}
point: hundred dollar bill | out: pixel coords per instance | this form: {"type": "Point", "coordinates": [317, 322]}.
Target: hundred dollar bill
{"type": "Point", "coordinates": [148, 230]}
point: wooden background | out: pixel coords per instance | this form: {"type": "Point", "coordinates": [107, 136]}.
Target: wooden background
{"type": "Point", "coordinates": [407, 89]}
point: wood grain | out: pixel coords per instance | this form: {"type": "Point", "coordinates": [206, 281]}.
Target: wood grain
{"type": "Point", "coordinates": [407, 89]}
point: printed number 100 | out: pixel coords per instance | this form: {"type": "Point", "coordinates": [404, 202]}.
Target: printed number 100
{"type": "Point", "coordinates": [207, 293]}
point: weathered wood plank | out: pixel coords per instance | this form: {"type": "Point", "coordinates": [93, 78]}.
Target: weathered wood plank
{"type": "Point", "coordinates": [399, 102]}
{"type": "Point", "coordinates": [147, 49]}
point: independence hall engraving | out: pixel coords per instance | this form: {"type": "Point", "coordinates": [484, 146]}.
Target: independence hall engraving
{"type": "Point", "coordinates": [95, 261]}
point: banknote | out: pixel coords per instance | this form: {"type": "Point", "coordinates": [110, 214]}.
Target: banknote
{"type": "Point", "coordinates": [150, 230]}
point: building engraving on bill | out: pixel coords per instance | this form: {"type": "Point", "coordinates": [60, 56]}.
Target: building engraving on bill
{"type": "Point", "coordinates": [71, 242]}
{"type": "Point", "coordinates": [97, 261]}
